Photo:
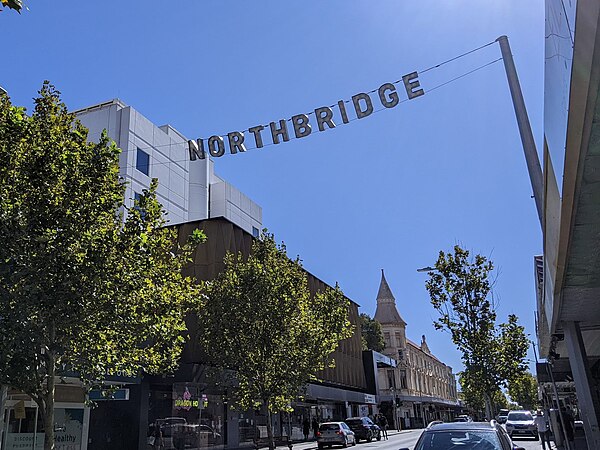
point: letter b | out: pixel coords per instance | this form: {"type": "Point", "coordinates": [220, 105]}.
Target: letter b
{"type": "Point", "coordinates": [301, 126]}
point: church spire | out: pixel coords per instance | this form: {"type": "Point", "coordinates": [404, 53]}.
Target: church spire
{"type": "Point", "coordinates": [386, 311]}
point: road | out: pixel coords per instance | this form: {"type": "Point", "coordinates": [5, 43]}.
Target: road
{"type": "Point", "coordinates": [408, 439]}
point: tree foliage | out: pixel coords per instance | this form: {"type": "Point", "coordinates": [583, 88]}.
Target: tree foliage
{"type": "Point", "coordinates": [523, 390]}
{"type": "Point", "coordinates": [493, 354]}
{"type": "Point", "coordinates": [371, 333]}
{"type": "Point", "coordinates": [17, 5]}
{"type": "Point", "coordinates": [83, 289]}
{"type": "Point", "coordinates": [261, 320]}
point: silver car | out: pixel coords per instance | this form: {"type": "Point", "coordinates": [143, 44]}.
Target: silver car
{"type": "Point", "coordinates": [521, 423]}
{"type": "Point", "coordinates": [335, 433]}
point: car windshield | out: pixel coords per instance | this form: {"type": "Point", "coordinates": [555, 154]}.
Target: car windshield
{"type": "Point", "coordinates": [463, 440]}
{"type": "Point", "coordinates": [329, 427]}
{"type": "Point", "coordinates": [518, 417]}
{"type": "Point", "coordinates": [354, 422]}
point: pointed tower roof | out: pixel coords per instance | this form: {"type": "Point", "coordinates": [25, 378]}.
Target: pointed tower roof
{"type": "Point", "coordinates": [386, 311]}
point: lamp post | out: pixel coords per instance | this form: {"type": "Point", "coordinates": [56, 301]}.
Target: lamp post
{"type": "Point", "coordinates": [395, 407]}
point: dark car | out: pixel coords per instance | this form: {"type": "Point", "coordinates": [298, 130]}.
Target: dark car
{"type": "Point", "coordinates": [465, 436]}
{"type": "Point", "coordinates": [363, 428]}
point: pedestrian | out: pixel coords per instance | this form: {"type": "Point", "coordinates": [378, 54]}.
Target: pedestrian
{"type": "Point", "coordinates": [569, 425]}
{"type": "Point", "coordinates": [383, 424]}
{"type": "Point", "coordinates": [306, 428]}
{"type": "Point", "coordinates": [543, 428]}
{"type": "Point", "coordinates": [315, 426]}
{"type": "Point", "coordinates": [156, 437]}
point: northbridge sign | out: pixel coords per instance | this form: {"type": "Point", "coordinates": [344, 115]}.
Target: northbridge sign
{"type": "Point", "coordinates": [300, 124]}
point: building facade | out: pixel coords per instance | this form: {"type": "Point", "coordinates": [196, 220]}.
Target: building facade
{"type": "Point", "coordinates": [568, 272]}
{"type": "Point", "coordinates": [421, 388]}
{"type": "Point", "coordinates": [188, 190]}
{"type": "Point", "coordinates": [191, 403]}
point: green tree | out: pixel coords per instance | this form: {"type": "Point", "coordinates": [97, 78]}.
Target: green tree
{"type": "Point", "coordinates": [17, 5]}
{"type": "Point", "coordinates": [524, 391]}
{"type": "Point", "coordinates": [371, 333]}
{"type": "Point", "coordinates": [460, 291]}
{"type": "Point", "coordinates": [261, 321]}
{"type": "Point", "coordinates": [82, 288]}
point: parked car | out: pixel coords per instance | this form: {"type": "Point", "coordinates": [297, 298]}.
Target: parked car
{"type": "Point", "coordinates": [502, 415]}
{"type": "Point", "coordinates": [335, 433]}
{"type": "Point", "coordinates": [463, 418]}
{"type": "Point", "coordinates": [521, 423]}
{"type": "Point", "coordinates": [467, 435]}
{"type": "Point", "coordinates": [194, 436]}
{"type": "Point", "coordinates": [363, 428]}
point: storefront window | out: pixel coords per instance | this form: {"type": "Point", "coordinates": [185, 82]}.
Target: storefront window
{"type": "Point", "coordinates": [187, 416]}
{"type": "Point", "coordinates": [25, 429]}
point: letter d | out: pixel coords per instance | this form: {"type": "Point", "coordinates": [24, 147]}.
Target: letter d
{"type": "Point", "coordinates": [360, 113]}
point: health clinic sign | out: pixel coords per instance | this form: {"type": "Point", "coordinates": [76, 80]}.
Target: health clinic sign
{"type": "Point", "coordinates": [300, 126]}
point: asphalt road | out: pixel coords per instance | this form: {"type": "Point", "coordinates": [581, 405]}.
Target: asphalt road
{"type": "Point", "coordinates": [408, 439]}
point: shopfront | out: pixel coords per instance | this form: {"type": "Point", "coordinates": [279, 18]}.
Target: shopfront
{"type": "Point", "coordinates": [24, 428]}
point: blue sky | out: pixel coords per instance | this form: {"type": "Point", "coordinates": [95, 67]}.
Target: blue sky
{"type": "Point", "coordinates": [388, 191]}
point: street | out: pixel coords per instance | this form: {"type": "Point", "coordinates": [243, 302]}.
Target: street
{"type": "Point", "coordinates": [408, 439]}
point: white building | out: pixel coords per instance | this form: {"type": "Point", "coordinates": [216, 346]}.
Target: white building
{"type": "Point", "coordinates": [421, 388]}
{"type": "Point", "coordinates": [188, 190]}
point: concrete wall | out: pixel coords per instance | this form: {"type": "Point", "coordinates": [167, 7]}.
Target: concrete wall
{"type": "Point", "coordinates": [184, 186]}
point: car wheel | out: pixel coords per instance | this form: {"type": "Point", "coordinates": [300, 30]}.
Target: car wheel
{"type": "Point", "coordinates": [536, 437]}
{"type": "Point", "coordinates": [369, 437]}
{"type": "Point", "coordinates": [354, 441]}
{"type": "Point", "coordinates": [345, 444]}
{"type": "Point", "coordinates": [379, 435]}
{"type": "Point", "coordinates": [320, 446]}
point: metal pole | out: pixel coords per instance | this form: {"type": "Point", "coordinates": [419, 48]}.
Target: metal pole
{"type": "Point", "coordinates": [531, 156]}
{"type": "Point", "coordinates": [3, 395]}
{"type": "Point", "coordinates": [560, 414]}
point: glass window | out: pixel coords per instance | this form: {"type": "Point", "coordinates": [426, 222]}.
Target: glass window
{"type": "Point", "coordinates": [519, 417]}
{"type": "Point", "coordinates": [255, 232]}
{"type": "Point", "coordinates": [142, 162]}
{"type": "Point", "coordinates": [403, 383]}
{"type": "Point", "coordinates": [465, 440]}
{"type": "Point", "coordinates": [391, 379]}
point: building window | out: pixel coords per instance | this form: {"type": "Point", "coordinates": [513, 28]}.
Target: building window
{"type": "Point", "coordinates": [399, 341]}
{"type": "Point", "coordinates": [391, 379]}
{"type": "Point", "coordinates": [386, 338]}
{"type": "Point", "coordinates": [142, 161]}
{"type": "Point", "coordinates": [403, 383]}
{"type": "Point", "coordinates": [400, 354]}
{"type": "Point", "coordinates": [255, 232]}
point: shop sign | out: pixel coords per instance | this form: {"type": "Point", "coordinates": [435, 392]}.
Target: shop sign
{"type": "Point", "coordinates": [97, 395]}
{"type": "Point", "coordinates": [370, 399]}
{"type": "Point", "coordinates": [186, 401]}
{"type": "Point", "coordinates": [299, 126]}
{"type": "Point", "coordinates": [20, 410]}
{"type": "Point", "coordinates": [24, 441]}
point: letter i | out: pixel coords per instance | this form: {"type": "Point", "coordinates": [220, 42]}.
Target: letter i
{"type": "Point", "coordinates": [342, 106]}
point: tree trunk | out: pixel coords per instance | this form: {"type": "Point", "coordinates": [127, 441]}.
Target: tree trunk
{"type": "Point", "coordinates": [49, 412]}
{"type": "Point", "coordinates": [488, 407]}
{"type": "Point", "coordinates": [269, 427]}
{"type": "Point", "coordinates": [48, 397]}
